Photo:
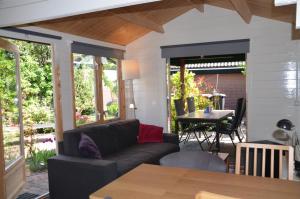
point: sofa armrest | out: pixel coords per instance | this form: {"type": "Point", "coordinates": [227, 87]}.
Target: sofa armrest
{"type": "Point", "coordinates": [74, 177]}
{"type": "Point", "coordinates": [171, 138]}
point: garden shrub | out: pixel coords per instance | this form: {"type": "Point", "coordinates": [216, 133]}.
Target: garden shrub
{"type": "Point", "coordinates": [192, 89]}
{"type": "Point", "coordinates": [113, 109]}
{"type": "Point", "coordinates": [38, 160]}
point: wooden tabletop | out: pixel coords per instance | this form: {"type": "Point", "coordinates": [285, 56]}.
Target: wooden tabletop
{"type": "Point", "coordinates": [199, 115]}
{"type": "Point", "coordinates": [158, 182]}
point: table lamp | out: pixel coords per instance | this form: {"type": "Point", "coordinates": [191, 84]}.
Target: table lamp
{"type": "Point", "coordinates": [286, 132]}
{"type": "Point", "coordinates": [130, 71]}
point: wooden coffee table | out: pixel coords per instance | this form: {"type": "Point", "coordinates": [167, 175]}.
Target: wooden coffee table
{"type": "Point", "coordinates": [159, 182]}
{"type": "Point", "coordinates": [195, 160]}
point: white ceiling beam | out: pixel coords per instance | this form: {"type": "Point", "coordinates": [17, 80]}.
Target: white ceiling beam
{"type": "Point", "coordinates": [242, 7]}
{"type": "Point", "coordinates": [284, 2]}
{"type": "Point", "coordinates": [298, 15]}
{"type": "Point", "coordinates": [41, 10]}
{"type": "Point", "coordinates": [141, 20]}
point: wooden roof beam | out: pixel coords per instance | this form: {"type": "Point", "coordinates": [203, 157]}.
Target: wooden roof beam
{"type": "Point", "coordinates": [198, 4]}
{"type": "Point", "coordinates": [295, 32]}
{"type": "Point", "coordinates": [243, 9]}
{"type": "Point", "coordinates": [141, 20]}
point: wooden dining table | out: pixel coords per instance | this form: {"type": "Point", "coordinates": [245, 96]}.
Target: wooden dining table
{"type": "Point", "coordinates": [160, 182]}
{"type": "Point", "coordinates": [214, 117]}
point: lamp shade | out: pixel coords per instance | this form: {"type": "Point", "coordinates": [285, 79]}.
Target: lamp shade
{"type": "Point", "coordinates": [285, 124]}
{"type": "Point", "coordinates": [130, 69]}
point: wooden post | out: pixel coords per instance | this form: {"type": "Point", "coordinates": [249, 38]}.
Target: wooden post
{"type": "Point", "coordinates": [99, 89]}
{"type": "Point", "coordinates": [57, 99]}
{"type": "Point", "coordinates": [182, 71]}
{"type": "Point", "coordinates": [122, 103]}
{"type": "Point", "coordinates": [2, 161]}
{"type": "Point", "coordinates": [73, 91]}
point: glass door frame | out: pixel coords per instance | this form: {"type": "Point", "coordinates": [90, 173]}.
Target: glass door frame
{"type": "Point", "coordinates": [98, 70]}
{"type": "Point", "coordinates": [18, 165]}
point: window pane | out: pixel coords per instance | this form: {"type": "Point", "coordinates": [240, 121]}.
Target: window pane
{"type": "Point", "coordinates": [110, 88]}
{"type": "Point", "coordinates": [84, 83]}
{"type": "Point", "coordinates": [10, 108]}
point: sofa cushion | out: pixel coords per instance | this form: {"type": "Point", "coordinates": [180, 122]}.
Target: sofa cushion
{"type": "Point", "coordinates": [150, 134]}
{"type": "Point", "coordinates": [125, 132]}
{"type": "Point", "coordinates": [88, 148]}
{"type": "Point", "coordinates": [105, 140]}
{"type": "Point", "coordinates": [133, 156]}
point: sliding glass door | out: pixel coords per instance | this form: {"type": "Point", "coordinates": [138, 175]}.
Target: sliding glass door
{"type": "Point", "coordinates": [11, 125]}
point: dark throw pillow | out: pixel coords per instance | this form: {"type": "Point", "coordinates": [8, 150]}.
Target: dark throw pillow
{"type": "Point", "coordinates": [150, 134]}
{"type": "Point", "coordinates": [88, 148]}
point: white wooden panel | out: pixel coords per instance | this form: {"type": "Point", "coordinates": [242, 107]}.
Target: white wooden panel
{"type": "Point", "coordinates": [271, 65]}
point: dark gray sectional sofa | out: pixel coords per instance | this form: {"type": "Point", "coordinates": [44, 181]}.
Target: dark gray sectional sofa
{"type": "Point", "coordinates": [74, 177]}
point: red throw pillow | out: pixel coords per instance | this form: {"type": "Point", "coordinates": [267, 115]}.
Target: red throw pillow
{"type": "Point", "coordinates": [150, 133]}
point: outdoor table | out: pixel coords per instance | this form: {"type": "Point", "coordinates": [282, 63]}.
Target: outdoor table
{"type": "Point", "coordinates": [215, 117]}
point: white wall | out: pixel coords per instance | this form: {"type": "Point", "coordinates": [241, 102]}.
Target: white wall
{"type": "Point", "coordinates": [62, 50]}
{"type": "Point", "coordinates": [271, 65]}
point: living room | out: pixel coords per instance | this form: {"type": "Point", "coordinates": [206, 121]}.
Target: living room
{"type": "Point", "coordinates": [151, 34]}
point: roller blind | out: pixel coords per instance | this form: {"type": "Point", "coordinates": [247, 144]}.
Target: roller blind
{"type": "Point", "coordinates": [89, 49]}
{"type": "Point", "coordinates": [208, 48]}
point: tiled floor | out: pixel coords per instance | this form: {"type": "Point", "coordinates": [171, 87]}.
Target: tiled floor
{"type": "Point", "coordinates": [36, 183]}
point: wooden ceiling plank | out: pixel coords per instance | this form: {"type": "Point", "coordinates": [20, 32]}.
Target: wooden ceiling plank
{"type": "Point", "coordinates": [242, 7]}
{"type": "Point", "coordinates": [142, 21]}
{"type": "Point", "coordinates": [198, 4]}
{"type": "Point", "coordinates": [108, 26]}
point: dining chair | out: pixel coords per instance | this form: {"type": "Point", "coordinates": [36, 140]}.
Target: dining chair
{"type": "Point", "coordinates": [240, 119]}
{"type": "Point", "coordinates": [186, 128]}
{"type": "Point", "coordinates": [260, 159]}
{"type": "Point", "coordinates": [230, 127]}
{"type": "Point", "coordinates": [201, 128]}
{"type": "Point", "coordinates": [236, 121]}
{"type": "Point", "coordinates": [191, 104]}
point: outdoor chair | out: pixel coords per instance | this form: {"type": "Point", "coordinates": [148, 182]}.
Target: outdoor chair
{"type": "Point", "coordinates": [201, 128]}
{"type": "Point", "coordinates": [186, 128]}
{"type": "Point", "coordinates": [230, 127]}
{"type": "Point", "coordinates": [191, 104]}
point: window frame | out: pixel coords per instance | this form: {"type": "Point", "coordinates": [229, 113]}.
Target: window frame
{"type": "Point", "coordinates": [98, 71]}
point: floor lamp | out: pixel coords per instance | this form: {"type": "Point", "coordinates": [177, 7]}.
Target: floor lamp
{"type": "Point", "coordinates": [130, 71]}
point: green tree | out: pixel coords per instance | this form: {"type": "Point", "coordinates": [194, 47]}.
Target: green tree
{"type": "Point", "coordinates": [84, 89]}
{"type": "Point", "coordinates": [36, 80]}
{"type": "Point", "coordinates": [8, 94]}
{"type": "Point", "coordinates": [190, 86]}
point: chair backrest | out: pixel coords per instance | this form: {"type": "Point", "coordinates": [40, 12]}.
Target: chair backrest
{"type": "Point", "coordinates": [191, 104]}
{"type": "Point", "coordinates": [239, 113]}
{"type": "Point", "coordinates": [179, 107]}
{"type": "Point", "coordinates": [266, 153]}
{"type": "Point", "coordinates": [243, 111]}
